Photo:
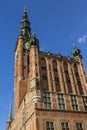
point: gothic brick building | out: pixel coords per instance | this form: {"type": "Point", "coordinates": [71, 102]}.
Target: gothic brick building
{"type": "Point", "coordinates": [50, 89]}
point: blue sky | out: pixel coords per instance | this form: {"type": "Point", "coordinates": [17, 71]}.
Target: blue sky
{"type": "Point", "coordinates": [57, 23]}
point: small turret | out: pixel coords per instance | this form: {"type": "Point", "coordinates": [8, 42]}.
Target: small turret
{"type": "Point", "coordinates": [76, 52]}
{"type": "Point", "coordinates": [34, 41]}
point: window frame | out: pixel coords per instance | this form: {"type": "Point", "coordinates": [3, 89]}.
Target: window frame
{"type": "Point", "coordinates": [84, 99]}
{"type": "Point", "coordinates": [66, 126]}
{"type": "Point", "coordinates": [80, 126]}
{"type": "Point", "coordinates": [61, 101]}
{"type": "Point", "coordinates": [74, 103]}
{"type": "Point", "coordinates": [49, 127]}
{"type": "Point", "coordinates": [47, 100]}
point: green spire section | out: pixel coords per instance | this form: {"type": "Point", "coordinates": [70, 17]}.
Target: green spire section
{"type": "Point", "coordinates": [10, 113]}
{"type": "Point", "coordinates": [76, 52]}
{"type": "Point", "coordinates": [25, 25]}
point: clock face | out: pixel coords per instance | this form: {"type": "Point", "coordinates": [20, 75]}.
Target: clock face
{"type": "Point", "coordinates": [26, 45]}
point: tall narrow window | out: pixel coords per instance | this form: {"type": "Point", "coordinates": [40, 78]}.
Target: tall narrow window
{"type": "Point", "coordinates": [49, 126]}
{"type": "Point", "coordinates": [74, 80]}
{"type": "Point", "coordinates": [47, 100]}
{"type": "Point", "coordinates": [74, 103]}
{"type": "Point", "coordinates": [61, 71]}
{"type": "Point", "coordinates": [24, 66]}
{"type": "Point", "coordinates": [28, 63]}
{"type": "Point", "coordinates": [67, 77]}
{"type": "Point", "coordinates": [43, 74]}
{"type": "Point", "coordinates": [79, 126]}
{"type": "Point", "coordinates": [85, 102]}
{"type": "Point", "coordinates": [78, 79]}
{"type": "Point", "coordinates": [56, 75]}
{"type": "Point", "coordinates": [61, 103]}
{"type": "Point", "coordinates": [51, 77]}
{"type": "Point", "coordinates": [64, 126]}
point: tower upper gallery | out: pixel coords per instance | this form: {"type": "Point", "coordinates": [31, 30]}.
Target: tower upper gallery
{"type": "Point", "coordinates": [25, 25]}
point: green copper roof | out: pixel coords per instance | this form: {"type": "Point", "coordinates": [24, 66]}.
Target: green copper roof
{"type": "Point", "coordinates": [25, 25]}
{"type": "Point", "coordinates": [76, 52]}
{"type": "Point", "coordinates": [34, 40]}
{"type": "Point", "coordinates": [10, 113]}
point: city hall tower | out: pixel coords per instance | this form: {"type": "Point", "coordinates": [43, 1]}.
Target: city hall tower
{"type": "Point", "coordinates": [50, 90]}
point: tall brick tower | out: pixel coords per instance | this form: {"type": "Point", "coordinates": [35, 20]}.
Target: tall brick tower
{"type": "Point", "coordinates": [50, 89]}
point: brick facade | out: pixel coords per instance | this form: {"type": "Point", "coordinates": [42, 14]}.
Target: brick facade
{"type": "Point", "coordinates": [50, 91]}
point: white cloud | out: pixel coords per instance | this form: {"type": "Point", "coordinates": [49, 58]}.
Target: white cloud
{"type": "Point", "coordinates": [82, 39]}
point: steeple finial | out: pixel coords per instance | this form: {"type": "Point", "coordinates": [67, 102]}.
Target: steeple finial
{"type": "Point", "coordinates": [10, 113]}
{"type": "Point", "coordinates": [24, 8]}
{"type": "Point", "coordinates": [25, 25]}
{"type": "Point", "coordinates": [25, 16]}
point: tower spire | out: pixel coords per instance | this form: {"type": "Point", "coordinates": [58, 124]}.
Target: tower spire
{"type": "Point", "coordinates": [10, 114]}
{"type": "Point", "coordinates": [25, 8]}
{"type": "Point", "coordinates": [25, 16]}
{"type": "Point", "coordinates": [25, 25]}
